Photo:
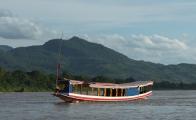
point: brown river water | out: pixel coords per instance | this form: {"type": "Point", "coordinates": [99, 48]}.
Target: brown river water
{"type": "Point", "coordinates": [162, 105]}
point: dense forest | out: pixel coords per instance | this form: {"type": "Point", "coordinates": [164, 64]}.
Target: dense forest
{"type": "Point", "coordinates": [35, 81]}
{"type": "Point", "coordinates": [26, 81]}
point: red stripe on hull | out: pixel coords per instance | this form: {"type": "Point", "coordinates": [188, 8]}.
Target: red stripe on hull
{"type": "Point", "coordinates": [72, 98]}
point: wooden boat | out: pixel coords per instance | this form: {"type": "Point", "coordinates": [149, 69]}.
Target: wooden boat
{"type": "Point", "coordinates": [76, 91]}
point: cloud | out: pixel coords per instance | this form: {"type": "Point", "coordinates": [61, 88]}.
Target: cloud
{"type": "Point", "coordinates": [13, 27]}
{"type": "Point", "coordinates": [170, 18]}
{"type": "Point", "coordinates": [5, 13]}
{"type": "Point", "coordinates": [154, 48]}
{"type": "Point", "coordinates": [157, 42]}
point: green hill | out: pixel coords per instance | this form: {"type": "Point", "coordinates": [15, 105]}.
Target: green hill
{"type": "Point", "coordinates": [85, 58]}
{"type": "Point", "coordinates": [5, 48]}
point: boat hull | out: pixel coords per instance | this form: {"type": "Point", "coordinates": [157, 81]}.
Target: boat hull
{"type": "Point", "coordinates": [72, 97]}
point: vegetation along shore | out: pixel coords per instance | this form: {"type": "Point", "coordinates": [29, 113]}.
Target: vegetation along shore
{"type": "Point", "coordinates": [36, 81]}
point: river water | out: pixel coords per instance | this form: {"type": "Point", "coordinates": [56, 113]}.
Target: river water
{"type": "Point", "coordinates": [162, 105]}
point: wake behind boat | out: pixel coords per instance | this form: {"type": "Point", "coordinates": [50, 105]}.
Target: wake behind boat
{"type": "Point", "coordinates": [75, 91]}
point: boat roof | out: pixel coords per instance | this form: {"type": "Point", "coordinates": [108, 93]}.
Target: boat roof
{"type": "Point", "coordinates": [113, 85]}
{"type": "Point", "coordinates": [123, 85]}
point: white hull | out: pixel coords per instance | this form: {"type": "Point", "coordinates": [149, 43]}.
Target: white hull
{"type": "Point", "coordinates": [72, 97]}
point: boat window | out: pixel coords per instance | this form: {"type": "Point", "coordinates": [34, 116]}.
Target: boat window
{"type": "Point", "coordinates": [76, 88]}
{"type": "Point", "coordinates": [113, 92]}
{"type": "Point", "coordinates": [107, 91]}
{"type": "Point", "coordinates": [101, 91]}
{"type": "Point", "coordinates": [123, 94]}
{"type": "Point", "coordinates": [145, 89]}
{"type": "Point", "coordinates": [132, 91]}
{"type": "Point", "coordinates": [84, 89]}
{"type": "Point", "coordinates": [94, 91]}
{"type": "Point", "coordinates": [141, 90]}
{"type": "Point", "coordinates": [119, 93]}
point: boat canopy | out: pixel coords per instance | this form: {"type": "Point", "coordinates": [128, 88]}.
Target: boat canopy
{"type": "Point", "coordinates": [112, 85]}
{"type": "Point", "coordinates": [122, 86]}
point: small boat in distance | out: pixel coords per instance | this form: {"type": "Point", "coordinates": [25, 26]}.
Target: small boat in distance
{"type": "Point", "coordinates": [76, 91]}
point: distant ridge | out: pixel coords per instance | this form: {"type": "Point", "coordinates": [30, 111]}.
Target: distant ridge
{"type": "Point", "coordinates": [5, 48]}
{"type": "Point", "coordinates": [81, 57]}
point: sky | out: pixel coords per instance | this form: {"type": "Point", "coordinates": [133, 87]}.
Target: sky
{"type": "Point", "coordinates": [159, 31]}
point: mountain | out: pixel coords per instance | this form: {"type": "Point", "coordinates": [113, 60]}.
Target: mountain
{"type": "Point", "coordinates": [5, 48]}
{"type": "Point", "coordinates": [85, 58]}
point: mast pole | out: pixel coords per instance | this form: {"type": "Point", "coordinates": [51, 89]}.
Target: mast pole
{"type": "Point", "coordinates": [57, 75]}
{"type": "Point", "coordinates": [58, 72]}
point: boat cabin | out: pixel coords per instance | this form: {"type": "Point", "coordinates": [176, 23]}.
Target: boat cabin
{"type": "Point", "coordinates": [104, 89]}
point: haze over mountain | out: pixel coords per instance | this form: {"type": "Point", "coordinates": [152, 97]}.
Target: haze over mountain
{"type": "Point", "coordinates": [85, 58]}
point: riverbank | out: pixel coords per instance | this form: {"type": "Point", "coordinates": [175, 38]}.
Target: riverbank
{"type": "Point", "coordinates": [36, 81]}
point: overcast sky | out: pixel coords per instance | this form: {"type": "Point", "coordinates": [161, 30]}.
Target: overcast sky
{"type": "Point", "coordinates": [161, 31]}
